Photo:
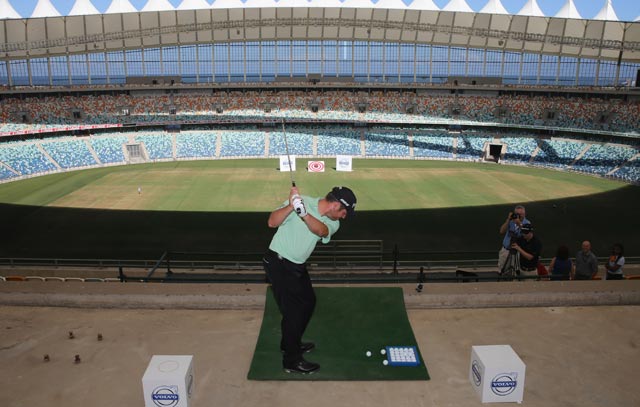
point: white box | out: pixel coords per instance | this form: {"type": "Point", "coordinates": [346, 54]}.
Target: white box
{"type": "Point", "coordinates": [497, 373]}
{"type": "Point", "coordinates": [168, 381]}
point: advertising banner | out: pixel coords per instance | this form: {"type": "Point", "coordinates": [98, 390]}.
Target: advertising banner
{"type": "Point", "coordinates": [344, 163]}
{"type": "Point", "coordinates": [284, 163]}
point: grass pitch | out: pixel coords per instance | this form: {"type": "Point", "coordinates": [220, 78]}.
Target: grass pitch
{"type": "Point", "coordinates": [223, 205]}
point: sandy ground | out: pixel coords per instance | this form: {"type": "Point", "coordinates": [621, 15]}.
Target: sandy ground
{"type": "Point", "coordinates": [575, 356]}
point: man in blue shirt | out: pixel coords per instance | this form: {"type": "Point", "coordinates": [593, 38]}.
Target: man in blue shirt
{"type": "Point", "coordinates": [302, 221]}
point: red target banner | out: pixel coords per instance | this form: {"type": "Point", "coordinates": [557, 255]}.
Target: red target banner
{"type": "Point", "coordinates": [315, 166]}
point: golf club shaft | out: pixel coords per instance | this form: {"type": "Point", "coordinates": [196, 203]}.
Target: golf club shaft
{"type": "Point", "coordinates": [286, 146]}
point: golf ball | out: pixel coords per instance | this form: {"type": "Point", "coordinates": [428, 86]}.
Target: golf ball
{"type": "Point", "coordinates": [383, 351]}
{"type": "Point", "coordinates": [385, 362]}
{"type": "Point", "coordinates": [368, 353]}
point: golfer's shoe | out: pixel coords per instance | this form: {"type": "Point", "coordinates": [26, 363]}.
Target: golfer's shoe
{"type": "Point", "coordinates": [304, 347]}
{"type": "Point", "coordinates": [301, 366]}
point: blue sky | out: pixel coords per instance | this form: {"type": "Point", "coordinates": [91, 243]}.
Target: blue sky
{"type": "Point", "coordinates": [627, 10]}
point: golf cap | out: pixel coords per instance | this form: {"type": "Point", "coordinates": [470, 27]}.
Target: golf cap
{"type": "Point", "coordinates": [346, 197]}
{"type": "Point", "coordinates": [526, 228]}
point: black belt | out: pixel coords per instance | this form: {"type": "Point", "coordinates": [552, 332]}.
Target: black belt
{"type": "Point", "coordinates": [276, 254]}
{"type": "Point", "coordinates": [528, 269]}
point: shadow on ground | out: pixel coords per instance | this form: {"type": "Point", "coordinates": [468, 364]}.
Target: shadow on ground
{"type": "Point", "coordinates": [30, 231]}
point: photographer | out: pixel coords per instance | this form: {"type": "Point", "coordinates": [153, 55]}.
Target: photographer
{"type": "Point", "coordinates": [511, 230]}
{"type": "Point", "coordinates": [529, 247]}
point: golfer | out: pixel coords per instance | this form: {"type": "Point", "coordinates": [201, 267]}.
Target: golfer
{"type": "Point", "coordinates": [301, 221]}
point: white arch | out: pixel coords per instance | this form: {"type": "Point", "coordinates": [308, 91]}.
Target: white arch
{"type": "Point", "coordinates": [531, 8]}
{"type": "Point", "coordinates": [7, 10]}
{"type": "Point", "coordinates": [569, 10]}
{"type": "Point", "coordinates": [494, 7]}
{"type": "Point", "coordinates": [607, 13]}
{"type": "Point", "coordinates": [121, 6]}
{"type": "Point", "coordinates": [44, 8]}
{"type": "Point", "coordinates": [83, 7]}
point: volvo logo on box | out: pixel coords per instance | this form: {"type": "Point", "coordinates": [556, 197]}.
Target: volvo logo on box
{"type": "Point", "coordinates": [504, 384]}
{"type": "Point", "coordinates": [165, 396]}
{"type": "Point", "coordinates": [477, 375]}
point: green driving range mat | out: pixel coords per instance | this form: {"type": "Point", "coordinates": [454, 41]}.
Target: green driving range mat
{"type": "Point", "coordinates": [347, 323]}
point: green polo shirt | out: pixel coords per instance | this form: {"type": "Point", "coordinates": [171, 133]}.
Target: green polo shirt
{"type": "Point", "coordinates": [293, 239]}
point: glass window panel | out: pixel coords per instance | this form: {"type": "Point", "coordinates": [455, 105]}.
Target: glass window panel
{"type": "Point", "coordinates": [170, 61]}
{"type": "Point", "coordinates": [98, 68]}
{"type": "Point", "coordinates": [188, 63]}
{"type": "Point", "coordinates": [530, 69]}
{"type": "Point", "coordinates": [236, 67]}
{"type": "Point", "coordinates": [376, 61]}
{"type": "Point", "coordinates": [345, 52]}
{"type": "Point", "coordinates": [439, 64]}
{"type": "Point", "coordinates": [458, 58]}
{"type": "Point", "coordinates": [299, 58]}
{"type": "Point", "coordinates": [134, 63]}
{"type": "Point", "coordinates": [314, 52]}
{"type": "Point", "coordinates": [494, 61]}
{"type": "Point", "coordinates": [628, 73]}
{"type": "Point", "coordinates": [4, 74]}
{"type": "Point", "coordinates": [422, 62]}
{"type": "Point", "coordinates": [40, 71]}
{"type": "Point", "coordinates": [587, 74]}
{"type": "Point", "coordinates": [607, 73]}
{"type": "Point", "coordinates": [391, 58]}
{"type": "Point", "coordinates": [79, 69]}
{"type": "Point", "coordinates": [360, 51]}
{"type": "Point", "coordinates": [407, 52]}
{"type": "Point", "coordinates": [548, 69]}
{"type": "Point", "coordinates": [221, 62]}
{"type": "Point", "coordinates": [511, 67]}
{"type": "Point", "coordinates": [59, 70]}
{"type": "Point", "coordinates": [568, 67]}
{"type": "Point", "coordinates": [253, 61]}
{"type": "Point", "coordinates": [152, 62]}
{"type": "Point", "coordinates": [329, 49]}
{"type": "Point", "coordinates": [205, 66]}
{"type": "Point", "coordinates": [284, 58]}
{"type": "Point", "coordinates": [475, 62]}
{"type": "Point", "coordinates": [19, 72]}
{"type": "Point", "coordinates": [115, 61]}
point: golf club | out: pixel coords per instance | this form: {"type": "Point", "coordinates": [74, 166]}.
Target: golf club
{"type": "Point", "coordinates": [286, 146]}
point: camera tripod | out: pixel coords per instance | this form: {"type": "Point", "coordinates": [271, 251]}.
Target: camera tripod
{"type": "Point", "coordinates": [511, 266]}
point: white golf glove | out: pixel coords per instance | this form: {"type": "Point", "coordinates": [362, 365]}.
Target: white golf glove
{"type": "Point", "coordinates": [298, 206]}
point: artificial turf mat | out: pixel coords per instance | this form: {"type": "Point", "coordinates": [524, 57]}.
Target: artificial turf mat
{"type": "Point", "coordinates": [347, 322]}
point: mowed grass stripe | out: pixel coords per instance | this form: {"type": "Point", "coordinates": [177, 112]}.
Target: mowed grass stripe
{"type": "Point", "coordinates": [257, 185]}
{"type": "Point", "coordinates": [223, 205]}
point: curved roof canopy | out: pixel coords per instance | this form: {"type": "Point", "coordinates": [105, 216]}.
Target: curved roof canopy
{"type": "Point", "coordinates": [123, 27]}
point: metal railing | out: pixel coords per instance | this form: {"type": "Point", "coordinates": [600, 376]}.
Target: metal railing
{"type": "Point", "coordinates": [339, 261]}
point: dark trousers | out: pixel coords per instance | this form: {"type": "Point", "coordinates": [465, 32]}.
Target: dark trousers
{"type": "Point", "coordinates": [296, 300]}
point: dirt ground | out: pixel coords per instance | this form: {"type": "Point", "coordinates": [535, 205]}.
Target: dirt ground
{"type": "Point", "coordinates": [575, 356]}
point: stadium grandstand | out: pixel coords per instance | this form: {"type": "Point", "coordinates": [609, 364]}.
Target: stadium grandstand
{"type": "Point", "coordinates": [556, 91]}
{"type": "Point", "coordinates": [139, 142]}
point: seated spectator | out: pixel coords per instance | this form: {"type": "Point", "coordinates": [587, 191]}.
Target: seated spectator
{"type": "Point", "coordinates": [561, 265]}
{"type": "Point", "coordinates": [615, 263]}
{"type": "Point", "coordinates": [586, 266]}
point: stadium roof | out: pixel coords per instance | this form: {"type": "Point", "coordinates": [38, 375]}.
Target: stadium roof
{"type": "Point", "coordinates": [122, 26]}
